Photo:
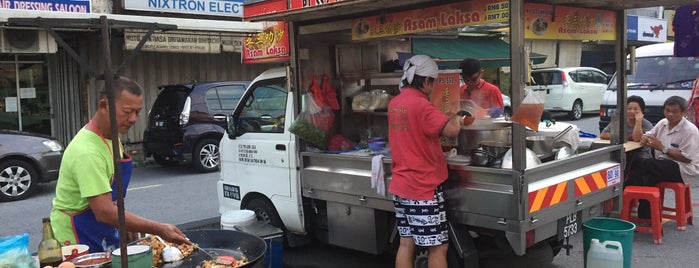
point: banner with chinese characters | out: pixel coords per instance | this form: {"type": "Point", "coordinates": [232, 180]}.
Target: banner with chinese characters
{"type": "Point", "coordinates": [542, 21]}
{"type": "Point", "coordinates": [438, 18]}
{"type": "Point", "coordinates": [272, 44]}
{"type": "Point", "coordinates": [446, 97]}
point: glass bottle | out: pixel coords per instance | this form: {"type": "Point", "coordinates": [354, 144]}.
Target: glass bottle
{"type": "Point", "coordinates": [49, 248]}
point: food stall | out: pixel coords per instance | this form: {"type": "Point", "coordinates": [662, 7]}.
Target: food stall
{"type": "Point", "coordinates": [533, 200]}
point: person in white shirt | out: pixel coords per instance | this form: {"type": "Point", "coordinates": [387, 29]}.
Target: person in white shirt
{"type": "Point", "coordinates": [675, 141]}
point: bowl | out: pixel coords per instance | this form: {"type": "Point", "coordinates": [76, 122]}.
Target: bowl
{"type": "Point", "coordinates": [72, 251]}
{"type": "Point", "coordinates": [377, 146]}
{"type": "Point", "coordinates": [93, 260]}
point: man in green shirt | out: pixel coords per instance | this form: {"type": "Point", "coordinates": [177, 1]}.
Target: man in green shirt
{"type": "Point", "coordinates": [84, 209]}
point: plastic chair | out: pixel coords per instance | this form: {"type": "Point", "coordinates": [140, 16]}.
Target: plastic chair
{"type": "Point", "coordinates": [652, 194]}
{"type": "Point", "coordinates": [682, 212]}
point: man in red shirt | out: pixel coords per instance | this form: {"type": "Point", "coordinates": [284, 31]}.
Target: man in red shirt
{"type": "Point", "coordinates": [419, 166]}
{"type": "Point", "coordinates": [484, 94]}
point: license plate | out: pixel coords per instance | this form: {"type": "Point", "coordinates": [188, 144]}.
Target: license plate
{"type": "Point", "coordinates": [569, 225]}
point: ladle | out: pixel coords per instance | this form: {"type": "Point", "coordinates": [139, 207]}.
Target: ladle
{"type": "Point", "coordinates": [559, 135]}
{"type": "Point", "coordinates": [170, 253]}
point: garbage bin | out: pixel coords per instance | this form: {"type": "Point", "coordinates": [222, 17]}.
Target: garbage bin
{"type": "Point", "coordinates": [612, 229]}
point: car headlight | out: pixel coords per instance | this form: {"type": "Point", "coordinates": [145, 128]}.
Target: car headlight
{"type": "Point", "coordinates": [54, 145]}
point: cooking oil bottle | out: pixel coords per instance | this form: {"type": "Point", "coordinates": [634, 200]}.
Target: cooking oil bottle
{"type": "Point", "coordinates": [49, 248]}
{"type": "Point", "coordinates": [607, 254]}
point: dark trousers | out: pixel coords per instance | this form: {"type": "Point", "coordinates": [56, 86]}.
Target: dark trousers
{"type": "Point", "coordinates": [648, 172]}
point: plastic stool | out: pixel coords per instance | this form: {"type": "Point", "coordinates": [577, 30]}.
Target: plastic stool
{"type": "Point", "coordinates": [652, 194]}
{"type": "Point", "coordinates": [682, 212]}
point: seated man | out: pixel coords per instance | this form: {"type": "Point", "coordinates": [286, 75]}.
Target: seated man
{"type": "Point", "coordinates": [675, 140]}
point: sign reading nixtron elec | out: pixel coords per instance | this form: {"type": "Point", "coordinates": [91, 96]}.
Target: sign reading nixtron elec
{"type": "Point", "coordinates": [227, 8]}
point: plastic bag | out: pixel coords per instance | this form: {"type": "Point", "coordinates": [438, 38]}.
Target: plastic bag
{"type": "Point", "coordinates": [362, 102]}
{"type": "Point", "coordinates": [339, 143]}
{"type": "Point", "coordinates": [14, 252]}
{"type": "Point", "coordinates": [313, 123]}
{"type": "Point", "coordinates": [529, 112]}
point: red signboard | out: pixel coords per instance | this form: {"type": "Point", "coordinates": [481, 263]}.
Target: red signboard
{"type": "Point", "coordinates": [296, 4]}
{"type": "Point", "coordinates": [272, 44]}
{"type": "Point", "coordinates": [264, 8]}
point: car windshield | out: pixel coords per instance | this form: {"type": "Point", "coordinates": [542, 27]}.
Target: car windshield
{"type": "Point", "coordinates": [662, 72]}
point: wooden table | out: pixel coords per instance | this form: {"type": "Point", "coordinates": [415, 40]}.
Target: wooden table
{"type": "Point", "coordinates": [628, 145]}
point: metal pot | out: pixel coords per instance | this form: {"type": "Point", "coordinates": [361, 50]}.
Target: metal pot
{"type": "Point", "coordinates": [496, 148]}
{"type": "Point", "coordinates": [222, 243]}
{"type": "Point", "coordinates": [540, 144]}
{"type": "Point", "coordinates": [481, 158]}
{"type": "Point", "coordinates": [472, 136]}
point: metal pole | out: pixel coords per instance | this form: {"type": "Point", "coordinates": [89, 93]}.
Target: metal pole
{"type": "Point", "coordinates": [114, 135]}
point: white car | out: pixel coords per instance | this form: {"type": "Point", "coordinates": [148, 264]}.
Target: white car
{"type": "Point", "coordinates": [574, 90]}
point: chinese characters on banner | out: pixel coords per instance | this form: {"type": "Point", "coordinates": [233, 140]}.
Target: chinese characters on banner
{"type": "Point", "coordinates": [570, 23]}
{"type": "Point", "coordinates": [272, 44]}
{"type": "Point", "coordinates": [446, 97]}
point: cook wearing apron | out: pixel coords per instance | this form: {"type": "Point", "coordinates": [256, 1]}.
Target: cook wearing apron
{"type": "Point", "coordinates": [72, 219]}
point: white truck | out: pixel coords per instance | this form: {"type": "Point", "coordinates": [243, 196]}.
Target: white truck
{"type": "Point", "coordinates": [493, 211]}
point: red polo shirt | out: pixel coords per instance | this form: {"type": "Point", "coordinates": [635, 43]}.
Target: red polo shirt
{"type": "Point", "coordinates": [485, 94]}
{"type": "Point", "coordinates": [414, 126]}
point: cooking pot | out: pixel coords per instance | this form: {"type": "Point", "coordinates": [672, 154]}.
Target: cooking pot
{"type": "Point", "coordinates": [222, 243]}
{"type": "Point", "coordinates": [495, 148]}
{"type": "Point", "coordinates": [472, 136]}
{"type": "Point", "coordinates": [482, 158]}
{"type": "Point", "coordinates": [540, 144]}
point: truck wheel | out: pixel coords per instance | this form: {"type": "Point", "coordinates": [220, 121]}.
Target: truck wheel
{"type": "Point", "coordinates": [265, 211]}
{"type": "Point", "coordinates": [206, 156]}
{"type": "Point", "coordinates": [577, 110]}
{"type": "Point", "coordinates": [164, 161]}
{"type": "Point", "coordinates": [18, 179]}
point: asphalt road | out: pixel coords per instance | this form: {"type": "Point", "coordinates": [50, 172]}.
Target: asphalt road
{"type": "Point", "coordinates": [180, 196]}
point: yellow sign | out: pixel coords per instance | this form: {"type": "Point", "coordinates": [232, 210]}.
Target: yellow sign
{"type": "Point", "coordinates": [543, 21]}
{"type": "Point", "coordinates": [444, 17]}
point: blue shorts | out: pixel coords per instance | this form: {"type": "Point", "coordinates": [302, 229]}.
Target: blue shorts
{"type": "Point", "coordinates": [423, 220]}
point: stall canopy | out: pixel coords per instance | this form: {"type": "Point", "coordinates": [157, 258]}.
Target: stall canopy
{"type": "Point", "coordinates": [492, 52]}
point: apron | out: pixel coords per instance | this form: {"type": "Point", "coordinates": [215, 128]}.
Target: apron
{"type": "Point", "coordinates": [99, 236]}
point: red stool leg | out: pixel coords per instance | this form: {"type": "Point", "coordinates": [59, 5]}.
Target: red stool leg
{"type": "Point", "coordinates": [656, 221]}
{"type": "Point", "coordinates": [680, 210]}
{"type": "Point", "coordinates": [688, 204]}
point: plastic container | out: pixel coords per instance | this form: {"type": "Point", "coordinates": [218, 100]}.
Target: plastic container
{"type": "Point", "coordinates": [139, 256]}
{"type": "Point", "coordinates": [243, 217]}
{"type": "Point", "coordinates": [609, 229]}
{"type": "Point", "coordinates": [377, 146]}
{"type": "Point", "coordinates": [608, 254]}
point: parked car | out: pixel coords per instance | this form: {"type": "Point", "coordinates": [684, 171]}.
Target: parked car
{"type": "Point", "coordinates": [26, 159]}
{"type": "Point", "coordinates": [574, 89]}
{"type": "Point", "coordinates": [187, 121]}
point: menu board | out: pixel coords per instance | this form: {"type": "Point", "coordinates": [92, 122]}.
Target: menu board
{"type": "Point", "coordinates": [446, 97]}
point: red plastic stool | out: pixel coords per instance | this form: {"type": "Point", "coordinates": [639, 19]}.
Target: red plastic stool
{"type": "Point", "coordinates": [682, 212]}
{"type": "Point", "coordinates": [652, 194]}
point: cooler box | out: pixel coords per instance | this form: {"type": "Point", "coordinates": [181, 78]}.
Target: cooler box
{"type": "Point", "coordinates": [272, 236]}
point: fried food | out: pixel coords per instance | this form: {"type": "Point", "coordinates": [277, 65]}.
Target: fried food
{"type": "Point", "coordinates": [223, 263]}
{"type": "Point", "coordinates": [158, 247]}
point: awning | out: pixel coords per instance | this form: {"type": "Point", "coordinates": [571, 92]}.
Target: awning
{"type": "Point", "coordinates": [492, 52]}
{"type": "Point", "coordinates": [182, 24]}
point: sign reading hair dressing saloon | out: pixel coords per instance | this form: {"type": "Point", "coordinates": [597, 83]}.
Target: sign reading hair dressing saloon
{"type": "Point", "coordinates": [74, 6]}
{"type": "Point", "coordinates": [226, 8]}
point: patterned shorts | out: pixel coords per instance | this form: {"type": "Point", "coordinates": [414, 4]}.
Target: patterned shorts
{"type": "Point", "coordinates": [423, 220]}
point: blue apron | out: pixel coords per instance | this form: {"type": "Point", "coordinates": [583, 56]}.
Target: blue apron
{"type": "Point", "coordinates": [87, 229]}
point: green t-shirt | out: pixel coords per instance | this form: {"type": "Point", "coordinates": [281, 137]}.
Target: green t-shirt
{"type": "Point", "coordinates": [86, 170]}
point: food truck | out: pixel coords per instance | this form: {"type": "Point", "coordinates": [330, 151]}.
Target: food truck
{"type": "Point", "coordinates": [347, 50]}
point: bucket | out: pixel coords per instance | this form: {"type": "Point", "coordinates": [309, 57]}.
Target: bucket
{"type": "Point", "coordinates": [243, 217]}
{"type": "Point", "coordinates": [609, 229]}
{"type": "Point", "coordinates": [139, 256]}
{"type": "Point", "coordinates": [609, 254]}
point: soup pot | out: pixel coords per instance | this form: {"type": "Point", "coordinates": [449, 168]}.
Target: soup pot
{"type": "Point", "coordinates": [483, 130]}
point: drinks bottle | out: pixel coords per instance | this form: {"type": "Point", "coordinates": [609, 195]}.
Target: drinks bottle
{"type": "Point", "coordinates": [49, 248]}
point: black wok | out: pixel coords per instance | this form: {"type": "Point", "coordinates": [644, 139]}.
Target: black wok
{"type": "Point", "coordinates": [222, 243]}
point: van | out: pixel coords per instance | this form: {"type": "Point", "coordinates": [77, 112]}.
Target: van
{"type": "Point", "coordinates": [574, 90]}
{"type": "Point", "coordinates": [658, 76]}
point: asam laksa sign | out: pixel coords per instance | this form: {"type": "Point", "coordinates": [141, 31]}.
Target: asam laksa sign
{"type": "Point", "coordinates": [429, 19]}
{"type": "Point", "coordinates": [74, 6]}
{"type": "Point", "coordinates": [227, 8]}
{"type": "Point", "coordinates": [570, 23]}
{"type": "Point", "coordinates": [271, 45]}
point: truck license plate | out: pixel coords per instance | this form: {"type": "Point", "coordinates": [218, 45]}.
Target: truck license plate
{"type": "Point", "coordinates": [569, 225]}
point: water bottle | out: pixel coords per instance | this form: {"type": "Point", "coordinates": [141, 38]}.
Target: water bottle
{"type": "Point", "coordinates": [607, 254]}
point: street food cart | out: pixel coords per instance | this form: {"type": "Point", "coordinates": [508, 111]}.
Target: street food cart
{"type": "Point", "coordinates": [493, 211]}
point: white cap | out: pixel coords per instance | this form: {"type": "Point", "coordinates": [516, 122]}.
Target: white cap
{"type": "Point", "coordinates": [421, 65]}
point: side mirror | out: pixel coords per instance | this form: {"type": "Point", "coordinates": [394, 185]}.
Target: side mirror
{"type": "Point", "coordinates": [230, 127]}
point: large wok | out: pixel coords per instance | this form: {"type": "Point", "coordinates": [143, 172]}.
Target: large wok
{"type": "Point", "coordinates": [222, 243]}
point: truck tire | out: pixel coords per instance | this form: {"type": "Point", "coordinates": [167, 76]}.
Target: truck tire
{"type": "Point", "coordinates": [206, 156]}
{"type": "Point", "coordinates": [265, 211]}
